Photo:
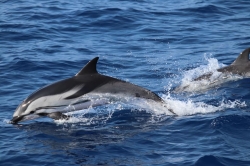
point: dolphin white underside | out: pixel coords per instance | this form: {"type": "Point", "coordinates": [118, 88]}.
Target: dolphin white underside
{"type": "Point", "coordinates": [80, 103]}
{"type": "Point", "coordinates": [93, 100]}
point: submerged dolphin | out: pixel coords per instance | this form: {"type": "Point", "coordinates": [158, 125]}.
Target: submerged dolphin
{"type": "Point", "coordinates": [81, 91]}
{"type": "Point", "coordinates": [241, 66]}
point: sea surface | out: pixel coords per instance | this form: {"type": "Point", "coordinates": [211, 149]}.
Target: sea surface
{"type": "Point", "coordinates": [160, 45]}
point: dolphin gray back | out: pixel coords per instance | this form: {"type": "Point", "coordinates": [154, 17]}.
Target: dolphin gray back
{"type": "Point", "coordinates": [240, 66]}
{"type": "Point", "coordinates": [95, 82]}
{"type": "Point", "coordinates": [89, 80]}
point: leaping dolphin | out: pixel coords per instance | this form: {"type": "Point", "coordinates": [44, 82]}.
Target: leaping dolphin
{"type": "Point", "coordinates": [81, 91]}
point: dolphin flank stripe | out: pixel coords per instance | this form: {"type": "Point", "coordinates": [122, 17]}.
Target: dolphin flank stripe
{"type": "Point", "coordinates": [47, 100]}
{"type": "Point", "coordinates": [53, 107]}
{"type": "Point", "coordinates": [59, 106]}
{"type": "Point", "coordinates": [90, 86]}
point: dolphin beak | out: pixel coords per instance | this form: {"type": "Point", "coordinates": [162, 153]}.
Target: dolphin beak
{"type": "Point", "coordinates": [16, 119]}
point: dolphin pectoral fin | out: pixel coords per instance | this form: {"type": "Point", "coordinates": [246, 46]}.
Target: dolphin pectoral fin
{"type": "Point", "coordinates": [169, 109]}
{"type": "Point", "coordinates": [58, 115]}
{"type": "Point", "coordinates": [16, 119]}
{"type": "Point", "coordinates": [55, 115]}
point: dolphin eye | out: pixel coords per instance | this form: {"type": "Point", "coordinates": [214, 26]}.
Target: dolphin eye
{"type": "Point", "coordinates": [32, 112]}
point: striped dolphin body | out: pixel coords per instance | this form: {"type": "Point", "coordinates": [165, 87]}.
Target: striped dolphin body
{"type": "Point", "coordinates": [81, 91]}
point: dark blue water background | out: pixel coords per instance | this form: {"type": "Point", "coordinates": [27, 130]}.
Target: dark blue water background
{"type": "Point", "coordinates": [151, 43]}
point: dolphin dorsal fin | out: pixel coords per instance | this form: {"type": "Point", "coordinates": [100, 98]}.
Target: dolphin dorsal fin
{"type": "Point", "coordinates": [242, 58]}
{"type": "Point", "coordinates": [89, 68]}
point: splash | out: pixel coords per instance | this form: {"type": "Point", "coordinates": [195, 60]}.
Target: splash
{"type": "Point", "coordinates": [90, 116]}
{"type": "Point", "coordinates": [100, 115]}
{"type": "Point", "coordinates": [214, 78]}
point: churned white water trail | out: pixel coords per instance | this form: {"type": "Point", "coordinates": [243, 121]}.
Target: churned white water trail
{"type": "Point", "coordinates": [190, 107]}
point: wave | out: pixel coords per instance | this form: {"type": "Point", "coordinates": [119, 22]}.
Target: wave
{"type": "Point", "coordinates": [209, 160]}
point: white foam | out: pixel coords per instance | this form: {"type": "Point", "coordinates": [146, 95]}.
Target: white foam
{"type": "Point", "coordinates": [103, 113]}
{"type": "Point", "coordinates": [99, 115]}
{"type": "Point", "coordinates": [189, 85]}
{"type": "Point", "coordinates": [189, 107]}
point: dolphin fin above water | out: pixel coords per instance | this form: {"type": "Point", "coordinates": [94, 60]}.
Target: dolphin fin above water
{"type": "Point", "coordinates": [81, 91]}
{"type": "Point", "coordinates": [240, 66]}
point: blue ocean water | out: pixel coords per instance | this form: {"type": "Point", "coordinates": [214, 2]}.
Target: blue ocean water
{"type": "Point", "coordinates": [152, 43]}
